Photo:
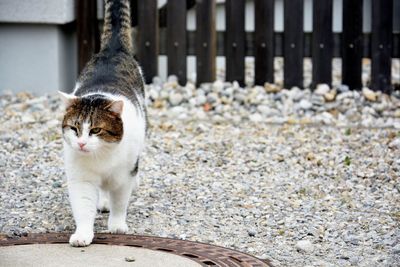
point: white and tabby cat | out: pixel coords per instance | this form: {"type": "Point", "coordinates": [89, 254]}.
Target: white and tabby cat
{"type": "Point", "coordinates": [104, 129]}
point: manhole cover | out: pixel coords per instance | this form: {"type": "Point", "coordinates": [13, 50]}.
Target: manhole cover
{"type": "Point", "coordinates": [122, 250]}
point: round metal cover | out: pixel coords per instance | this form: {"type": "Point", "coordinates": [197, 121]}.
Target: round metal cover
{"type": "Point", "coordinates": [146, 251]}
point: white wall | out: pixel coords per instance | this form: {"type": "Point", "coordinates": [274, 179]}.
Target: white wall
{"type": "Point", "coordinates": [36, 57]}
{"type": "Point", "coordinates": [37, 11]}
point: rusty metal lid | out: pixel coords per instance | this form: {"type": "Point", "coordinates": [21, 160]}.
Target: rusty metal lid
{"type": "Point", "coordinates": [203, 254]}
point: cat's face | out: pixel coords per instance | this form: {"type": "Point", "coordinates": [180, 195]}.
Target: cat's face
{"type": "Point", "coordinates": [92, 125]}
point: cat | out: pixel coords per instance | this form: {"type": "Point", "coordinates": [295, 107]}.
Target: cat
{"type": "Point", "coordinates": [104, 129]}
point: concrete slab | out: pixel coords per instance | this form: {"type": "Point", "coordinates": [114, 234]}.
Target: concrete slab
{"type": "Point", "coordinates": [63, 255]}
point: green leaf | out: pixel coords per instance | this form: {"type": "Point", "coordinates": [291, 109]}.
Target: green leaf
{"type": "Point", "coordinates": [347, 161]}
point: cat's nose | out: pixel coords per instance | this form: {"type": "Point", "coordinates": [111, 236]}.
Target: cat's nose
{"type": "Point", "coordinates": [81, 144]}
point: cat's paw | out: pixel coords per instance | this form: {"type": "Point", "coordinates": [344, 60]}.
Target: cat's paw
{"type": "Point", "coordinates": [81, 239]}
{"type": "Point", "coordinates": [118, 227]}
{"type": "Point", "coordinates": [103, 205]}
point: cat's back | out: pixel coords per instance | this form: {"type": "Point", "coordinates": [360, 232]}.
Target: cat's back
{"type": "Point", "coordinates": [113, 73]}
{"type": "Point", "coordinates": [114, 70]}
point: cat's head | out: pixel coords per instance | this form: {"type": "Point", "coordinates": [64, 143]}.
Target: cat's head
{"type": "Point", "coordinates": [92, 125]}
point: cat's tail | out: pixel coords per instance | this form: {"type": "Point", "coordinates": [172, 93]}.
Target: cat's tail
{"type": "Point", "coordinates": [117, 26]}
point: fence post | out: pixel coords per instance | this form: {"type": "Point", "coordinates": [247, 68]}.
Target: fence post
{"type": "Point", "coordinates": [176, 39]}
{"type": "Point", "coordinates": [352, 43]}
{"type": "Point", "coordinates": [235, 41]}
{"type": "Point", "coordinates": [322, 42]}
{"type": "Point", "coordinates": [293, 43]}
{"type": "Point", "coordinates": [264, 41]}
{"type": "Point", "coordinates": [87, 31]}
{"type": "Point", "coordinates": [381, 48]}
{"type": "Point", "coordinates": [206, 41]}
{"type": "Point", "coordinates": [148, 38]}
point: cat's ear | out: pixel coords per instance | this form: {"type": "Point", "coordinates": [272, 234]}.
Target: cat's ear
{"type": "Point", "coordinates": [67, 99]}
{"type": "Point", "coordinates": [116, 106]}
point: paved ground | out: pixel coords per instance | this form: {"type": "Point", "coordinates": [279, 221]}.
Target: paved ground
{"type": "Point", "coordinates": [63, 255]}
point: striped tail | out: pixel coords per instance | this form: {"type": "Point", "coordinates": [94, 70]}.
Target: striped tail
{"type": "Point", "coordinates": [117, 26]}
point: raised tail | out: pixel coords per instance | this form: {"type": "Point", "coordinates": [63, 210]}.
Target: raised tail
{"type": "Point", "coordinates": [117, 26]}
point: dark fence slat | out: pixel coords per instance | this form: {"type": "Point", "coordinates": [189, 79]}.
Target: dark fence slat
{"type": "Point", "coordinates": [381, 45]}
{"type": "Point", "coordinates": [396, 46]}
{"type": "Point", "coordinates": [322, 42]}
{"type": "Point", "coordinates": [148, 38]}
{"type": "Point", "coordinates": [176, 39]}
{"type": "Point", "coordinates": [235, 40]}
{"type": "Point", "coordinates": [206, 48]}
{"type": "Point", "coordinates": [352, 43]}
{"type": "Point", "coordinates": [293, 43]}
{"type": "Point", "coordinates": [264, 41]}
{"type": "Point", "coordinates": [134, 12]}
{"type": "Point", "coordinates": [87, 31]}
{"type": "Point", "coordinates": [278, 44]}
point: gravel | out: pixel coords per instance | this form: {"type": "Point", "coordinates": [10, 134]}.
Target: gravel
{"type": "Point", "coordinates": [288, 175]}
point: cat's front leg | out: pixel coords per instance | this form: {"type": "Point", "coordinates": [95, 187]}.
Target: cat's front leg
{"type": "Point", "coordinates": [83, 198]}
{"type": "Point", "coordinates": [119, 200]}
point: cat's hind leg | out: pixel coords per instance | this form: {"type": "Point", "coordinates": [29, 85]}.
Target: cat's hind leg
{"type": "Point", "coordinates": [83, 197]}
{"type": "Point", "coordinates": [103, 204]}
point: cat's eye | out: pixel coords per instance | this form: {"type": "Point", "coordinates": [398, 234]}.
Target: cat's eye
{"type": "Point", "coordinates": [95, 130]}
{"type": "Point", "coordinates": [74, 129]}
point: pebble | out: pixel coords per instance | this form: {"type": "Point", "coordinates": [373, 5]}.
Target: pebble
{"type": "Point", "coordinates": [396, 249]}
{"type": "Point", "coordinates": [354, 260]}
{"type": "Point", "coordinates": [256, 117]}
{"type": "Point", "coordinates": [271, 88]}
{"type": "Point", "coordinates": [322, 89]}
{"type": "Point", "coordinates": [330, 96]}
{"type": "Point", "coordinates": [395, 144]}
{"type": "Point", "coordinates": [369, 94]}
{"type": "Point", "coordinates": [305, 104]}
{"type": "Point", "coordinates": [175, 98]}
{"type": "Point", "coordinates": [304, 246]}
{"type": "Point", "coordinates": [252, 232]}
{"type": "Point", "coordinates": [201, 100]}
{"type": "Point", "coordinates": [218, 86]}
{"type": "Point", "coordinates": [130, 259]}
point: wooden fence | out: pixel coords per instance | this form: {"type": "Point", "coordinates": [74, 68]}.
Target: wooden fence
{"type": "Point", "coordinates": [163, 32]}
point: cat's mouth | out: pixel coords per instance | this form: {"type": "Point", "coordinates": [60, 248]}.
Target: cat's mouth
{"type": "Point", "coordinates": [83, 150]}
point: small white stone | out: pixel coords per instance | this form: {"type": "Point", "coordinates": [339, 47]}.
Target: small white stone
{"type": "Point", "coordinates": [200, 114]}
{"type": "Point", "coordinates": [218, 86]}
{"type": "Point", "coordinates": [304, 246]}
{"type": "Point", "coordinates": [175, 98]}
{"type": "Point", "coordinates": [256, 117]}
{"type": "Point", "coordinates": [305, 104]}
{"type": "Point", "coordinates": [157, 80]}
{"type": "Point", "coordinates": [172, 78]}
{"type": "Point", "coordinates": [322, 89]}
{"type": "Point", "coordinates": [201, 100]}
{"type": "Point", "coordinates": [153, 94]}
{"type": "Point", "coordinates": [129, 259]}
{"type": "Point", "coordinates": [395, 143]}
{"type": "Point", "coordinates": [235, 85]}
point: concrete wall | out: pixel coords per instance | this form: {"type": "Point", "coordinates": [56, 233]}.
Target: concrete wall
{"type": "Point", "coordinates": [37, 11]}
{"type": "Point", "coordinates": [37, 57]}
{"type": "Point", "coordinates": [37, 45]}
